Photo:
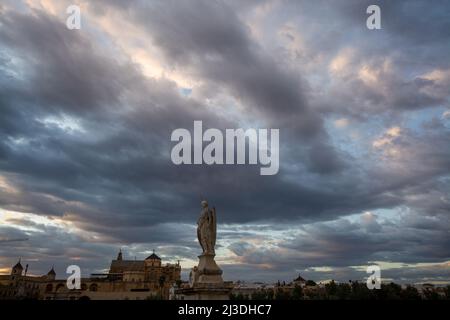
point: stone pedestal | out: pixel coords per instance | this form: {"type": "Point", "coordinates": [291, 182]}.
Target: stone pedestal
{"type": "Point", "coordinates": [208, 272]}
{"type": "Point", "coordinates": [206, 282]}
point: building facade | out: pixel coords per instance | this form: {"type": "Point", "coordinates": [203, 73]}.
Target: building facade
{"type": "Point", "coordinates": [126, 279]}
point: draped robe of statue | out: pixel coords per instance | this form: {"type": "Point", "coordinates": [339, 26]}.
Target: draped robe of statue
{"type": "Point", "coordinates": [205, 279]}
{"type": "Point", "coordinates": [206, 229]}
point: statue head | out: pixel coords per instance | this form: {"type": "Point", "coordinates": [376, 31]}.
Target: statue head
{"type": "Point", "coordinates": [204, 204]}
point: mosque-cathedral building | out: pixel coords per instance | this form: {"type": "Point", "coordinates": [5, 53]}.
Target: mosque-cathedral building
{"type": "Point", "coordinates": [126, 279]}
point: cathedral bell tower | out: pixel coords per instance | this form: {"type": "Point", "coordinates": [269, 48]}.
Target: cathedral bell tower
{"type": "Point", "coordinates": [17, 269]}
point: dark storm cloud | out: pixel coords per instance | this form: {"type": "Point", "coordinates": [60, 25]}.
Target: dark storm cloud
{"type": "Point", "coordinates": [84, 135]}
{"type": "Point", "coordinates": [62, 70]}
{"type": "Point", "coordinates": [116, 165]}
{"type": "Point", "coordinates": [51, 244]}
{"type": "Point", "coordinates": [339, 244]}
{"type": "Point", "coordinates": [213, 43]}
{"type": "Point", "coordinates": [390, 95]}
{"type": "Point", "coordinates": [124, 160]}
{"type": "Point", "coordinates": [408, 22]}
{"type": "Point", "coordinates": [408, 41]}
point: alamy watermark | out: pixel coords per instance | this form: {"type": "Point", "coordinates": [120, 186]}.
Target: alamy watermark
{"type": "Point", "coordinates": [374, 280]}
{"type": "Point", "coordinates": [73, 21]}
{"type": "Point", "coordinates": [373, 22]}
{"type": "Point", "coordinates": [74, 280]}
{"type": "Point", "coordinates": [234, 151]}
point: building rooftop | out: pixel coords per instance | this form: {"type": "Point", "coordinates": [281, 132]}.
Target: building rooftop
{"type": "Point", "coordinates": [118, 266]}
{"type": "Point", "coordinates": [153, 256]}
{"type": "Point", "coordinates": [299, 279]}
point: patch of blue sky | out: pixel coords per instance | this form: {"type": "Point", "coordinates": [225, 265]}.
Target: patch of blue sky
{"type": "Point", "coordinates": [12, 66]}
{"type": "Point", "coordinates": [416, 119]}
{"type": "Point", "coordinates": [384, 215]}
{"type": "Point", "coordinates": [186, 91]}
{"type": "Point", "coordinates": [17, 5]}
{"type": "Point", "coordinates": [350, 138]}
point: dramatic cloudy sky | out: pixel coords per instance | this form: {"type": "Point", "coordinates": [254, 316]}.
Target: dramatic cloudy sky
{"type": "Point", "coordinates": [364, 118]}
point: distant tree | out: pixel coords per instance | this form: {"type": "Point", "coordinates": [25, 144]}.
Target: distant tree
{"type": "Point", "coordinates": [361, 292]}
{"type": "Point", "coordinates": [447, 292]}
{"type": "Point", "coordinates": [259, 295]}
{"type": "Point", "coordinates": [352, 290]}
{"type": "Point", "coordinates": [410, 293]}
{"type": "Point", "coordinates": [343, 291]}
{"type": "Point", "coordinates": [310, 283]}
{"type": "Point", "coordinates": [393, 291]}
{"type": "Point", "coordinates": [431, 294]}
{"type": "Point", "coordinates": [270, 294]}
{"type": "Point", "coordinates": [297, 293]}
{"type": "Point", "coordinates": [331, 289]}
{"type": "Point", "coordinates": [238, 296]}
{"type": "Point", "coordinates": [282, 295]}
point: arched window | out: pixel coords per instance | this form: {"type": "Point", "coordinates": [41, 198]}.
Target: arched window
{"type": "Point", "coordinates": [93, 287]}
{"type": "Point", "coordinates": [59, 287]}
{"type": "Point", "coordinates": [49, 288]}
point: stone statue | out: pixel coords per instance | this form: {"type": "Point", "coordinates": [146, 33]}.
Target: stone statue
{"type": "Point", "coordinates": [205, 279]}
{"type": "Point", "coordinates": [193, 276]}
{"type": "Point", "coordinates": [206, 229]}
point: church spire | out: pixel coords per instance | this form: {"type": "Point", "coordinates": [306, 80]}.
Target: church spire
{"type": "Point", "coordinates": [119, 256]}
